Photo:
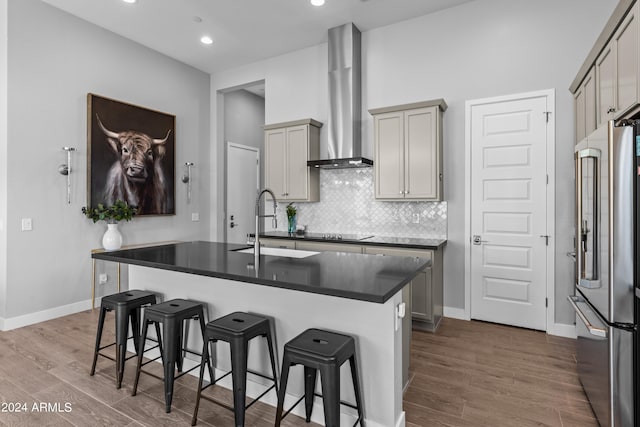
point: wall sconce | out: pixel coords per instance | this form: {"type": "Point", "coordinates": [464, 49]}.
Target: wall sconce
{"type": "Point", "coordinates": [186, 178]}
{"type": "Point", "coordinates": [65, 169]}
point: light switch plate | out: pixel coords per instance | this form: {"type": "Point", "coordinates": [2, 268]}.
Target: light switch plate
{"type": "Point", "coordinates": [27, 224]}
{"type": "Point", "coordinates": [195, 216]}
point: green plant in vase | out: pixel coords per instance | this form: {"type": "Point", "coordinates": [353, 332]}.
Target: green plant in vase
{"type": "Point", "coordinates": [119, 211]}
{"type": "Point", "coordinates": [291, 218]}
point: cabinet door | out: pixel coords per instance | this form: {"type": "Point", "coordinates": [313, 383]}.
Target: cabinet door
{"type": "Point", "coordinates": [626, 44]}
{"type": "Point", "coordinates": [278, 243]}
{"type": "Point", "coordinates": [328, 247]}
{"type": "Point", "coordinates": [421, 285]}
{"type": "Point", "coordinates": [275, 158]}
{"type": "Point", "coordinates": [590, 109]}
{"type": "Point", "coordinates": [421, 302]}
{"type": "Point", "coordinates": [421, 165]}
{"type": "Point", "coordinates": [579, 103]}
{"type": "Point", "coordinates": [389, 152]}
{"type": "Point", "coordinates": [605, 84]}
{"type": "Point", "coordinates": [297, 169]}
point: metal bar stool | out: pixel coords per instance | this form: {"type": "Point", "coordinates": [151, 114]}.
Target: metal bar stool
{"type": "Point", "coordinates": [325, 351]}
{"type": "Point", "coordinates": [127, 306]}
{"type": "Point", "coordinates": [171, 314]}
{"type": "Point", "coordinates": [237, 329]}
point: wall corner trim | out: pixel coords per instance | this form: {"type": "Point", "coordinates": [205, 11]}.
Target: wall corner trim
{"type": "Point", "coordinates": [562, 330]}
{"type": "Point", "coordinates": [455, 313]}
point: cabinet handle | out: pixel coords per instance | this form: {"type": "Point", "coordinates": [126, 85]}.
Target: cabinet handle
{"type": "Point", "coordinates": [611, 110]}
{"type": "Point", "coordinates": [401, 192]}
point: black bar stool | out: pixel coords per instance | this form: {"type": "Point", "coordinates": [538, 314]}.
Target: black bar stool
{"type": "Point", "coordinates": [172, 315]}
{"type": "Point", "coordinates": [325, 351]}
{"type": "Point", "coordinates": [126, 306]}
{"type": "Point", "coordinates": [237, 329]}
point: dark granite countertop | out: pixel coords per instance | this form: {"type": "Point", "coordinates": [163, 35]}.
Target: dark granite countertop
{"type": "Point", "coordinates": [364, 240]}
{"type": "Point", "coordinates": [355, 276]}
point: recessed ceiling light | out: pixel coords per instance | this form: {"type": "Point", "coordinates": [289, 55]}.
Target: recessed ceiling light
{"type": "Point", "coordinates": [206, 40]}
{"type": "Point", "coordinates": [317, 2]}
{"type": "Point", "coordinates": [129, 1]}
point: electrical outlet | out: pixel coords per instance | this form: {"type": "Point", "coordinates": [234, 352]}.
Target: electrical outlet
{"type": "Point", "coordinates": [27, 224]}
{"type": "Point", "coordinates": [102, 278]}
{"type": "Point", "coordinates": [416, 218]}
{"type": "Point", "coordinates": [195, 216]}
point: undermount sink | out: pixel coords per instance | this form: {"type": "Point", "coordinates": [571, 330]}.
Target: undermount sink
{"type": "Point", "coordinates": [291, 253]}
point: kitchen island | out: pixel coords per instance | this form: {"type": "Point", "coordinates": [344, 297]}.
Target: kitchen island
{"type": "Point", "coordinates": [352, 293]}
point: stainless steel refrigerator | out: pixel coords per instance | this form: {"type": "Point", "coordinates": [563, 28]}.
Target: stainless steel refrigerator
{"type": "Point", "coordinates": [604, 301]}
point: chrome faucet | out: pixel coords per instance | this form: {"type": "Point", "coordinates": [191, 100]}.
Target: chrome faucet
{"type": "Point", "coordinates": [256, 244]}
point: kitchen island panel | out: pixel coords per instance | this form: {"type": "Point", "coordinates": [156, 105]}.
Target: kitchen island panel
{"type": "Point", "coordinates": [378, 343]}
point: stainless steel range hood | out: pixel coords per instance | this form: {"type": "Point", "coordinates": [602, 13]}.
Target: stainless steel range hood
{"type": "Point", "coordinates": [345, 110]}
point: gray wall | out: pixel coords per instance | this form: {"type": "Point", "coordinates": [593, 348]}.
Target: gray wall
{"type": "Point", "coordinates": [244, 118]}
{"type": "Point", "coordinates": [479, 49]}
{"type": "Point", "coordinates": [54, 59]}
{"type": "Point", "coordinates": [3, 157]}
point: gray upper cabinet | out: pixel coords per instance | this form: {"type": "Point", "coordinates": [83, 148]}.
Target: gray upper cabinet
{"type": "Point", "coordinates": [408, 151]}
{"type": "Point", "coordinates": [288, 147]}
{"type": "Point", "coordinates": [605, 84]}
{"type": "Point", "coordinates": [617, 71]}
{"type": "Point", "coordinates": [585, 106]}
{"type": "Point", "coordinates": [614, 63]}
{"type": "Point", "coordinates": [626, 45]}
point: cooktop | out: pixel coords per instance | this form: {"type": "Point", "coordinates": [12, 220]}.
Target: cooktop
{"type": "Point", "coordinates": [334, 236]}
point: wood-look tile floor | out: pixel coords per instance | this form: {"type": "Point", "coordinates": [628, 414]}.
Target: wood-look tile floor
{"type": "Point", "coordinates": [467, 374]}
{"type": "Point", "coordinates": [482, 374]}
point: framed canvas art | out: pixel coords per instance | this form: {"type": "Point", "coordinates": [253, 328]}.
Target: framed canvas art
{"type": "Point", "coordinates": [131, 156]}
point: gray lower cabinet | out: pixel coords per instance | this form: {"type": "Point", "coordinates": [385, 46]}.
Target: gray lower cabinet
{"type": "Point", "coordinates": [328, 247]}
{"type": "Point", "coordinates": [426, 292]}
{"type": "Point", "coordinates": [423, 298]}
{"type": "Point", "coordinates": [278, 243]}
{"type": "Point", "coordinates": [426, 287]}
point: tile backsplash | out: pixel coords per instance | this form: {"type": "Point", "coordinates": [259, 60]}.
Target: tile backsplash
{"type": "Point", "coordinates": [347, 206]}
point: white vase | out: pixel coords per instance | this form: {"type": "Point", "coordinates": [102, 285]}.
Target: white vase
{"type": "Point", "coordinates": [112, 239]}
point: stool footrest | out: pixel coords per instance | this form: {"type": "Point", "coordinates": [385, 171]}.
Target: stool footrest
{"type": "Point", "coordinates": [262, 394]}
{"type": "Point", "coordinates": [149, 361]}
{"type": "Point", "coordinates": [231, 408]}
{"type": "Point", "coordinates": [106, 357]}
{"type": "Point", "coordinates": [294, 405]}
{"type": "Point", "coordinates": [342, 402]}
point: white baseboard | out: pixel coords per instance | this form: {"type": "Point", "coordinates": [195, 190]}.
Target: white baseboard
{"type": "Point", "coordinates": [455, 313]}
{"type": "Point", "coordinates": [562, 330]}
{"type": "Point", "coordinates": [7, 324]}
{"type": "Point", "coordinates": [402, 422]}
{"type": "Point", "coordinates": [557, 329]}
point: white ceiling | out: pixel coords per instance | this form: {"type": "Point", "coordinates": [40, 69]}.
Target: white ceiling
{"type": "Point", "coordinates": [243, 31]}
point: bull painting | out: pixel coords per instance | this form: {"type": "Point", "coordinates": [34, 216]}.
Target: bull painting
{"type": "Point", "coordinates": [131, 156]}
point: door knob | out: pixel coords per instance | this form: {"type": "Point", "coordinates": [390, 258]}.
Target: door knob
{"type": "Point", "coordinates": [477, 240]}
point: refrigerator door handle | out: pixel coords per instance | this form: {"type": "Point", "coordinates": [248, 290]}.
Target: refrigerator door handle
{"type": "Point", "coordinates": [587, 199]}
{"type": "Point", "coordinates": [593, 330]}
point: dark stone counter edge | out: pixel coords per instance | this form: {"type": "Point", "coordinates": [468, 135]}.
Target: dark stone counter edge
{"type": "Point", "coordinates": [441, 243]}
{"type": "Point", "coordinates": [106, 256]}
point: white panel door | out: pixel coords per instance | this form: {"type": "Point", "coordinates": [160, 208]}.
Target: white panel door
{"type": "Point", "coordinates": [508, 212]}
{"type": "Point", "coordinates": [243, 164]}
